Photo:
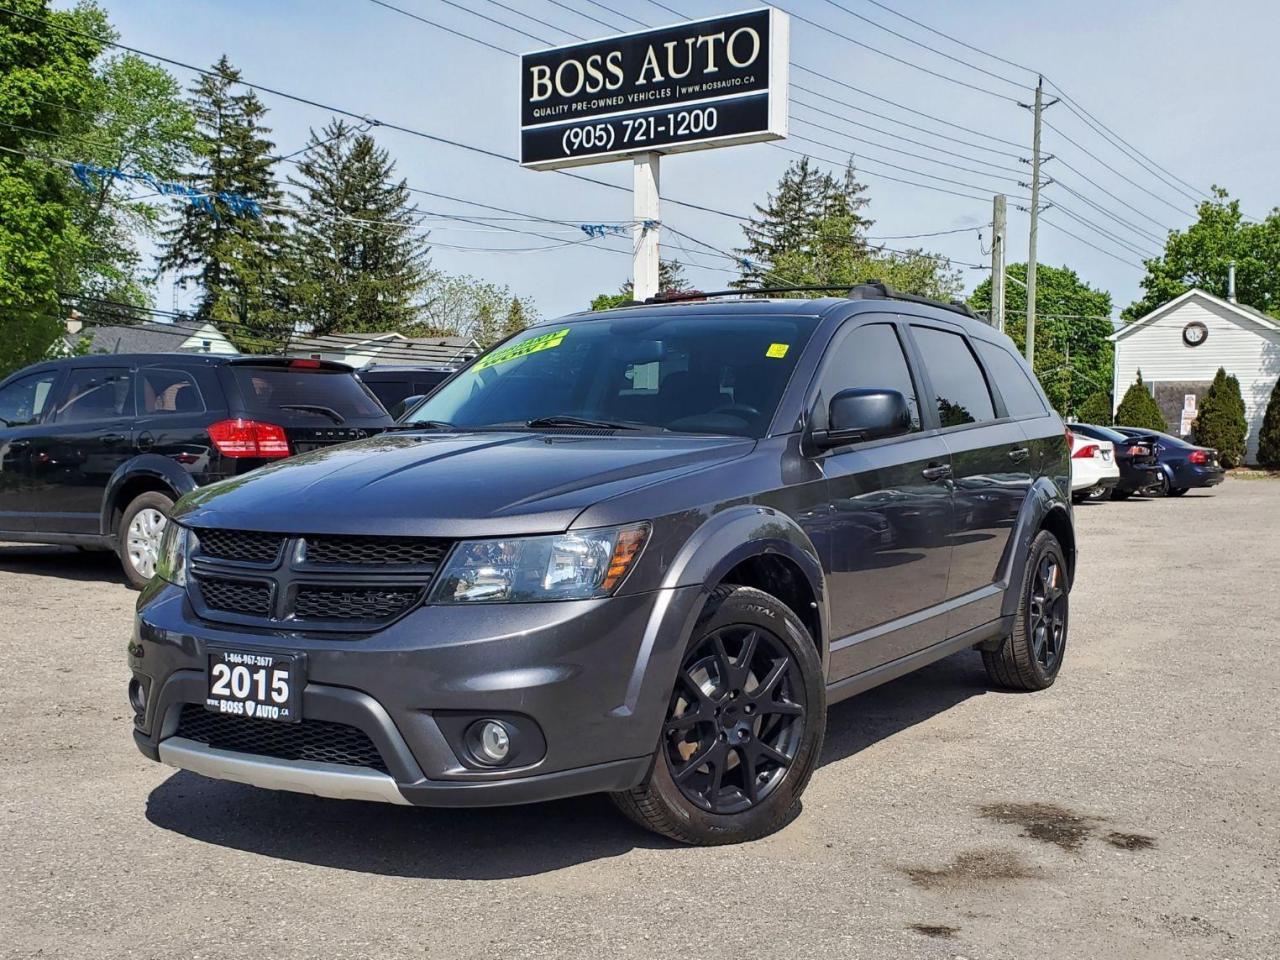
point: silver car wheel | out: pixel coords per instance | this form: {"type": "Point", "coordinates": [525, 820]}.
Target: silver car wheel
{"type": "Point", "coordinates": [142, 541]}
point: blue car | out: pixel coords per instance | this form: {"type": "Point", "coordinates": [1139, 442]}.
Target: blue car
{"type": "Point", "coordinates": [1183, 465]}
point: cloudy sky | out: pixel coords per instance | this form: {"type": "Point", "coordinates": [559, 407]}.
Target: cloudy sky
{"type": "Point", "coordinates": [1188, 85]}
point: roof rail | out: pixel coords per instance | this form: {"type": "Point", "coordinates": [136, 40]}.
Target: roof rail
{"type": "Point", "coordinates": [872, 290]}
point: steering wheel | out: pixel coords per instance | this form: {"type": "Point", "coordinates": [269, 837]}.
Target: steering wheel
{"type": "Point", "coordinates": [744, 410]}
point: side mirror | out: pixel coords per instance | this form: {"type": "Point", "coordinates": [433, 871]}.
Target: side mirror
{"type": "Point", "coordinates": [859, 415]}
{"type": "Point", "coordinates": [405, 405]}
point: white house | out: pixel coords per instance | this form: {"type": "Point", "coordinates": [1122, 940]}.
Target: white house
{"type": "Point", "coordinates": [1180, 346]}
{"type": "Point", "coordinates": [187, 336]}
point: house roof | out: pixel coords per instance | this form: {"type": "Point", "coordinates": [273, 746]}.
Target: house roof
{"type": "Point", "coordinates": [1240, 309]}
{"type": "Point", "coordinates": [145, 338]}
{"type": "Point", "coordinates": [391, 346]}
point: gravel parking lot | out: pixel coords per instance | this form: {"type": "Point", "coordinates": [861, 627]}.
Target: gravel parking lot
{"type": "Point", "coordinates": [1133, 810]}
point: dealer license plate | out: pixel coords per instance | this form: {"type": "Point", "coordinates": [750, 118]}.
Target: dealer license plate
{"type": "Point", "coordinates": [257, 684]}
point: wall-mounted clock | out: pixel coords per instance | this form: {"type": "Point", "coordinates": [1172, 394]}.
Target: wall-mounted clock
{"type": "Point", "coordinates": [1194, 333]}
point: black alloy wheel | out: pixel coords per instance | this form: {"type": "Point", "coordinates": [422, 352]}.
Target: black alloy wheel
{"type": "Point", "coordinates": [1047, 612]}
{"type": "Point", "coordinates": [736, 719]}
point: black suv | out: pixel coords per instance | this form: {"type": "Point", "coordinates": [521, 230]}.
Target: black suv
{"type": "Point", "coordinates": [637, 551]}
{"type": "Point", "coordinates": [94, 450]}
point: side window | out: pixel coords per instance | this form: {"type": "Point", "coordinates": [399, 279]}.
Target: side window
{"type": "Point", "coordinates": [870, 356]}
{"type": "Point", "coordinates": [1019, 393]}
{"type": "Point", "coordinates": [170, 391]}
{"type": "Point", "coordinates": [95, 393]}
{"type": "Point", "coordinates": [962, 392]}
{"type": "Point", "coordinates": [24, 401]}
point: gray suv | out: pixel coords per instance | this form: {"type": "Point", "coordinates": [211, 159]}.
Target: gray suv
{"type": "Point", "coordinates": [637, 551]}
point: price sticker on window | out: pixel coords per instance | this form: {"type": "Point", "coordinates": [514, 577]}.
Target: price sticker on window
{"type": "Point", "coordinates": [777, 351]}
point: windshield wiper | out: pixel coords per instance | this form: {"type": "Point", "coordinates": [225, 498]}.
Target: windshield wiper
{"type": "Point", "coordinates": [570, 421]}
{"type": "Point", "coordinates": [424, 425]}
{"type": "Point", "coordinates": [315, 408]}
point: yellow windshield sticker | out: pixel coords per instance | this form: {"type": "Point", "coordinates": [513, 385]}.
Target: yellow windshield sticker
{"type": "Point", "coordinates": [777, 351]}
{"type": "Point", "coordinates": [546, 341]}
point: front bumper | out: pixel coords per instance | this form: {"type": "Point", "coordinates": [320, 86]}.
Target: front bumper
{"type": "Point", "coordinates": [594, 676]}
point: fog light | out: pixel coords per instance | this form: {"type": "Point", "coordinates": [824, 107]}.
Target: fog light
{"type": "Point", "coordinates": [138, 697]}
{"type": "Point", "coordinates": [490, 741]}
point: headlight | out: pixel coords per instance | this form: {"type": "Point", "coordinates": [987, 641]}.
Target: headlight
{"type": "Point", "coordinates": [567, 566]}
{"type": "Point", "coordinates": [175, 546]}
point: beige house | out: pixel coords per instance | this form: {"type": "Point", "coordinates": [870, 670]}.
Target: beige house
{"type": "Point", "coordinates": [1180, 346]}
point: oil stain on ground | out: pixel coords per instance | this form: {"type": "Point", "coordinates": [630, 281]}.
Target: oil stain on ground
{"type": "Point", "coordinates": [1130, 841]}
{"type": "Point", "coordinates": [1045, 822]}
{"type": "Point", "coordinates": [937, 931]}
{"type": "Point", "coordinates": [972, 868]}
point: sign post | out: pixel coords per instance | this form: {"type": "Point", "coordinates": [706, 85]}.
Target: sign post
{"type": "Point", "coordinates": [691, 86]}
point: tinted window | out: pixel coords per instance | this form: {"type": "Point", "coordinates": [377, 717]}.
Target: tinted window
{"type": "Point", "coordinates": [24, 400]}
{"type": "Point", "coordinates": [1019, 393]}
{"type": "Point", "coordinates": [698, 374]}
{"type": "Point", "coordinates": [961, 390]}
{"type": "Point", "coordinates": [328, 395]}
{"type": "Point", "coordinates": [169, 391]}
{"type": "Point", "coordinates": [96, 393]}
{"type": "Point", "coordinates": [870, 356]}
{"type": "Point", "coordinates": [1098, 433]}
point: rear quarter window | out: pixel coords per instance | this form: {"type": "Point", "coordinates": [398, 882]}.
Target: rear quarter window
{"type": "Point", "coordinates": [305, 392]}
{"type": "Point", "coordinates": [1021, 396]}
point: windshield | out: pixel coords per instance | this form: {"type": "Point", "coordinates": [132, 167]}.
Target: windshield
{"type": "Point", "coordinates": [719, 374]}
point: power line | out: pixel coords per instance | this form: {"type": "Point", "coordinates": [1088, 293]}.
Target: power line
{"type": "Point", "coordinates": [1087, 243]}
{"type": "Point", "coordinates": [530, 17]}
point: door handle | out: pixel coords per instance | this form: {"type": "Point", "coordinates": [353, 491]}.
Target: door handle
{"type": "Point", "coordinates": [936, 471]}
{"type": "Point", "coordinates": [113, 438]}
{"type": "Point", "coordinates": [1018, 454]}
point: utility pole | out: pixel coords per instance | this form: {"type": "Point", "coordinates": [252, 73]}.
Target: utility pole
{"type": "Point", "coordinates": [1035, 219]}
{"type": "Point", "coordinates": [997, 261]}
{"type": "Point", "coordinates": [645, 264]}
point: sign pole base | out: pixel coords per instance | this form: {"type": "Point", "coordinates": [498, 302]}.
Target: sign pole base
{"type": "Point", "coordinates": [647, 211]}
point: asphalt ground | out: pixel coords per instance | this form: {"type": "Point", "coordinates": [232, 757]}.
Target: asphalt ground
{"type": "Point", "coordinates": [1133, 810]}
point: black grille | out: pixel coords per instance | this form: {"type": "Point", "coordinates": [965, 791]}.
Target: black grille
{"type": "Point", "coordinates": [376, 551]}
{"type": "Point", "coordinates": [245, 597]}
{"type": "Point", "coordinates": [318, 740]}
{"type": "Point", "coordinates": [356, 603]}
{"type": "Point", "coordinates": [242, 545]}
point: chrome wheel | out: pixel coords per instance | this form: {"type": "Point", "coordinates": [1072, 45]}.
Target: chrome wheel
{"type": "Point", "coordinates": [142, 540]}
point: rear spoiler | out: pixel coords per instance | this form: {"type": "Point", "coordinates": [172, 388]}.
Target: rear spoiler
{"type": "Point", "coordinates": [291, 363]}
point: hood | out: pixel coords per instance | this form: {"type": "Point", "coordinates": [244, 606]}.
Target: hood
{"type": "Point", "coordinates": [449, 484]}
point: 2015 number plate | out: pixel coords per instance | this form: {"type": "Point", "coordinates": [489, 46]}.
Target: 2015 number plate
{"type": "Point", "coordinates": [262, 685]}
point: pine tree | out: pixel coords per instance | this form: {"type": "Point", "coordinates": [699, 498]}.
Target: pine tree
{"type": "Point", "coordinates": [1221, 422]}
{"type": "Point", "coordinates": [813, 216]}
{"type": "Point", "coordinates": [517, 318]}
{"type": "Point", "coordinates": [1139, 409]}
{"type": "Point", "coordinates": [233, 253]}
{"type": "Point", "coordinates": [1096, 409]}
{"type": "Point", "coordinates": [1269, 435]}
{"type": "Point", "coordinates": [485, 328]}
{"type": "Point", "coordinates": [355, 262]}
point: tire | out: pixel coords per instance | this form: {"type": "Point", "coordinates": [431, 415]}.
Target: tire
{"type": "Point", "coordinates": [138, 569]}
{"type": "Point", "coordinates": [1161, 487]}
{"type": "Point", "coordinates": [1028, 659]}
{"type": "Point", "coordinates": [1177, 491]}
{"type": "Point", "coordinates": [1121, 494]}
{"type": "Point", "coordinates": [744, 793]}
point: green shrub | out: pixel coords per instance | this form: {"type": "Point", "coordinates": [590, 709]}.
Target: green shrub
{"type": "Point", "coordinates": [1139, 409]}
{"type": "Point", "coordinates": [1096, 409]}
{"type": "Point", "coordinates": [1220, 421]}
{"type": "Point", "coordinates": [1269, 435]}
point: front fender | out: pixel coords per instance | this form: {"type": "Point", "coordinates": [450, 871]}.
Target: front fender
{"type": "Point", "coordinates": [719, 545]}
{"type": "Point", "coordinates": [150, 465]}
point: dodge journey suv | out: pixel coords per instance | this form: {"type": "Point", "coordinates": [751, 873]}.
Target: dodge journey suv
{"type": "Point", "coordinates": [636, 552]}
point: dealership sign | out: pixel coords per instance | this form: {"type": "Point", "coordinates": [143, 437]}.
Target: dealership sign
{"type": "Point", "coordinates": [705, 83]}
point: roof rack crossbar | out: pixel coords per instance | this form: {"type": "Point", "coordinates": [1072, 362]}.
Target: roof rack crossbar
{"type": "Point", "coordinates": [872, 290]}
